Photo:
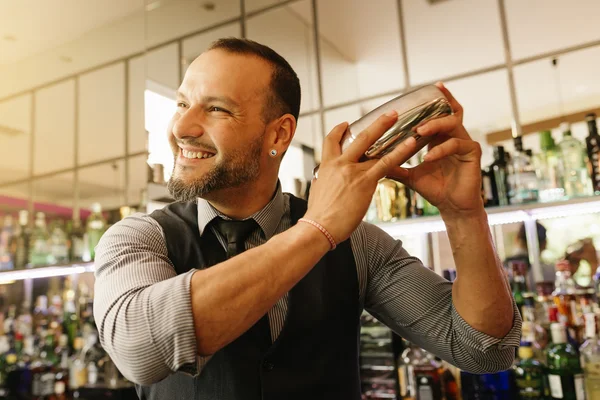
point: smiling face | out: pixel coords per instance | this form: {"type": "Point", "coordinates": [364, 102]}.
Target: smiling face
{"type": "Point", "coordinates": [217, 133]}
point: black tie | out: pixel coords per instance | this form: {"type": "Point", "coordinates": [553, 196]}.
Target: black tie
{"type": "Point", "coordinates": [236, 233]}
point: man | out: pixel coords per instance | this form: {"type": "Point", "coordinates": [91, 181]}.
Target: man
{"type": "Point", "coordinates": [277, 317]}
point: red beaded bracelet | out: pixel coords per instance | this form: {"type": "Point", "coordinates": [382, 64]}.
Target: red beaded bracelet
{"type": "Point", "coordinates": [323, 230]}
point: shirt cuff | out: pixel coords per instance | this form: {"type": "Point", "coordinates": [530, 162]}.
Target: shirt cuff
{"type": "Point", "coordinates": [484, 342]}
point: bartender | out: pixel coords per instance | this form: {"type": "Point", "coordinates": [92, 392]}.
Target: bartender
{"type": "Point", "coordinates": [240, 291]}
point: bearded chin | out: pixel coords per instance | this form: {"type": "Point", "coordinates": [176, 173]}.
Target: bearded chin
{"type": "Point", "coordinates": [184, 190]}
{"type": "Point", "coordinates": [228, 175]}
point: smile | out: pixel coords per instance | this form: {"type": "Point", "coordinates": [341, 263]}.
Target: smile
{"type": "Point", "coordinates": [196, 154]}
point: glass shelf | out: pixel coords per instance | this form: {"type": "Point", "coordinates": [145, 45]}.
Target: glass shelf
{"type": "Point", "coordinates": [45, 272]}
{"type": "Point", "coordinates": [500, 215]}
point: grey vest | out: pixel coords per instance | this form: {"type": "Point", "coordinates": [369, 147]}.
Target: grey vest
{"type": "Point", "coordinates": [314, 357]}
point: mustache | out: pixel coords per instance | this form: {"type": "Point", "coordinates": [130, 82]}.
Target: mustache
{"type": "Point", "coordinates": [196, 143]}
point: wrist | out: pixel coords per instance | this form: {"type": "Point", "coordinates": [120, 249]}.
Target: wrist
{"type": "Point", "coordinates": [455, 218]}
{"type": "Point", "coordinates": [322, 229]}
{"type": "Point", "coordinates": [313, 237]}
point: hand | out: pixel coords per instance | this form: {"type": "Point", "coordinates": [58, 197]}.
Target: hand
{"type": "Point", "coordinates": [450, 175]}
{"type": "Point", "coordinates": [339, 198]}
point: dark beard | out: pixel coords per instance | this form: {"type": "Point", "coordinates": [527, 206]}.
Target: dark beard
{"type": "Point", "coordinates": [239, 169]}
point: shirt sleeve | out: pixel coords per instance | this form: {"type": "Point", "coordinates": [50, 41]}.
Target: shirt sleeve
{"type": "Point", "coordinates": [417, 304]}
{"type": "Point", "coordinates": [141, 306]}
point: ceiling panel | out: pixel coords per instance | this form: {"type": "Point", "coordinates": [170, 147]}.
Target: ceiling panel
{"type": "Point", "coordinates": [15, 136]}
{"type": "Point", "coordinates": [540, 26]}
{"type": "Point", "coordinates": [289, 31]}
{"type": "Point", "coordinates": [54, 128]}
{"type": "Point", "coordinates": [451, 37]}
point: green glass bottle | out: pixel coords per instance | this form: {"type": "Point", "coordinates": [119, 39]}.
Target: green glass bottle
{"type": "Point", "coordinates": [518, 282]}
{"type": "Point", "coordinates": [565, 376]}
{"type": "Point", "coordinates": [96, 226]}
{"type": "Point", "coordinates": [529, 375]}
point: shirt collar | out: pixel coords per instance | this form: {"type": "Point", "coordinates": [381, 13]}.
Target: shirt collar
{"type": "Point", "coordinates": [268, 218]}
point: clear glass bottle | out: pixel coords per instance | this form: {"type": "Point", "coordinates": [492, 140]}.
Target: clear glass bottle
{"type": "Point", "coordinates": [565, 376]}
{"type": "Point", "coordinates": [7, 244]}
{"type": "Point", "coordinates": [59, 247]}
{"type": "Point", "coordinates": [590, 357]}
{"type": "Point", "coordinates": [547, 168]}
{"type": "Point", "coordinates": [39, 255]}
{"type": "Point", "coordinates": [522, 180]}
{"type": "Point", "coordinates": [529, 375]}
{"type": "Point", "coordinates": [96, 225]}
{"type": "Point", "coordinates": [574, 165]}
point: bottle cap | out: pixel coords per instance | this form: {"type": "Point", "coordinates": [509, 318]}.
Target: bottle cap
{"type": "Point", "coordinates": [559, 333]}
{"type": "Point", "coordinates": [518, 141]}
{"type": "Point", "coordinates": [591, 117]}
{"type": "Point", "coordinates": [546, 140]}
{"type": "Point", "coordinates": [565, 127]}
{"type": "Point", "coordinates": [525, 352]}
{"type": "Point", "coordinates": [59, 387]}
{"type": "Point", "coordinates": [11, 358]}
{"type": "Point", "coordinates": [590, 325]}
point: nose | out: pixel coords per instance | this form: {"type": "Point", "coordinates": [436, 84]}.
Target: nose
{"type": "Point", "coordinates": [188, 124]}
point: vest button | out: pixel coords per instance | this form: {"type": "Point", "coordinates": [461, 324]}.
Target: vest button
{"type": "Point", "coordinates": [268, 365]}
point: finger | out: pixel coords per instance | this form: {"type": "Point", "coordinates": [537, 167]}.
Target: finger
{"type": "Point", "coordinates": [366, 138]}
{"type": "Point", "coordinates": [331, 144]}
{"type": "Point", "coordinates": [388, 163]}
{"type": "Point", "coordinates": [400, 174]}
{"type": "Point", "coordinates": [467, 150]}
{"type": "Point", "coordinates": [450, 125]}
{"type": "Point", "coordinates": [456, 107]}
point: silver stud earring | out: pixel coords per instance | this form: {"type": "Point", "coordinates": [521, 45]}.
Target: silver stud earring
{"type": "Point", "coordinates": [273, 153]}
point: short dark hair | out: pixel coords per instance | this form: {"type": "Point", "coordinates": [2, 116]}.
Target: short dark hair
{"type": "Point", "coordinates": [541, 233]}
{"type": "Point", "coordinates": [285, 85]}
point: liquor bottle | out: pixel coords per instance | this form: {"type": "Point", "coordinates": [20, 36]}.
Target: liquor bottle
{"type": "Point", "coordinates": [518, 283]}
{"type": "Point", "coordinates": [424, 379]}
{"type": "Point", "coordinates": [498, 174]}
{"type": "Point", "coordinates": [590, 357]}
{"type": "Point", "coordinates": [532, 332]}
{"type": "Point", "coordinates": [77, 242]}
{"type": "Point", "coordinates": [22, 241]}
{"type": "Point", "coordinates": [573, 164]}
{"type": "Point", "coordinates": [487, 193]}
{"type": "Point", "coordinates": [565, 376]}
{"type": "Point", "coordinates": [564, 293]}
{"type": "Point", "coordinates": [70, 321]}
{"type": "Point", "coordinates": [547, 169]}
{"type": "Point", "coordinates": [59, 250]}
{"type": "Point", "coordinates": [96, 225]}
{"type": "Point", "coordinates": [522, 181]}
{"type": "Point", "coordinates": [40, 314]}
{"type": "Point", "coordinates": [497, 386]}
{"type": "Point", "coordinates": [7, 244]}
{"type": "Point", "coordinates": [529, 375]}
{"type": "Point", "coordinates": [593, 150]}
{"type": "Point", "coordinates": [77, 369]}
{"type": "Point", "coordinates": [391, 201]}
{"type": "Point", "coordinates": [39, 248]}
{"type": "Point", "coordinates": [62, 368]}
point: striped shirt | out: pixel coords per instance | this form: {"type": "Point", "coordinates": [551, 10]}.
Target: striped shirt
{"type": "Point", "coordinates": [144, 313]}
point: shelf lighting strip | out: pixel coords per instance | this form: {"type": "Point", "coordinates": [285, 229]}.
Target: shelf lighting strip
{"type": "Point", "coordinates": [45, 272]}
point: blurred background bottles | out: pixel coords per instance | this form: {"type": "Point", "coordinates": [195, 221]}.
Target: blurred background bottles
{"type": "Point", "coordinates": [593, 151]}
{"type": "Point", "coordinates": [522, 181]}
{"type": "Point", "coordinates": [51, 241]}
{"type": "Point", "coordinates": [547, 168]}
{"type": "Point", "coordinates": [573, 162]}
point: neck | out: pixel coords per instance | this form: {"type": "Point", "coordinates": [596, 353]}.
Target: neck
{"type": "Point", "coordinates": [242, 202]}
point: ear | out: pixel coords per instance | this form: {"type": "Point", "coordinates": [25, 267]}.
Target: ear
{"type": "Point", "coordinates": [281, 133]}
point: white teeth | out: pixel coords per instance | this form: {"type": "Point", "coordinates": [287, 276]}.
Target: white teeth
{"type": "Point", "coordinates": [192, 154]}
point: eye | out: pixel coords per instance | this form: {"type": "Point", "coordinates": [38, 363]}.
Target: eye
{"type": "Point", "coordinates": [217, 109]}
{"type": "Point", "coordinates": [181, 104]}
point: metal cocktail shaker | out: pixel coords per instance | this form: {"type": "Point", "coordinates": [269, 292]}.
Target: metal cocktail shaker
{"type": "Point", "coordinates": [414, 109]}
